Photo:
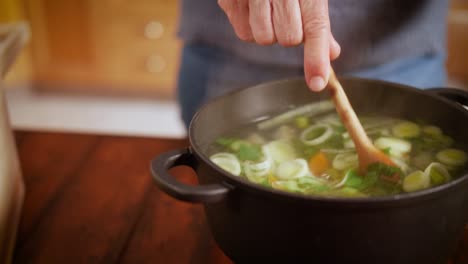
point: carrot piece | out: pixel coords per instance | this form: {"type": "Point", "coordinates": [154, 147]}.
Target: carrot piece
{"type": "Point", "coordinates": [319, 163]}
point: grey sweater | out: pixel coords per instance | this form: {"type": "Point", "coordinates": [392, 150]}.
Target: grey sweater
{"type": "Point", "coordinates": [370, 32]}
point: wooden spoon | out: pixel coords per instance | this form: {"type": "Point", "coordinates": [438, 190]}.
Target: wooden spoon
{"type": "Point", "coordinates": [367, 152]}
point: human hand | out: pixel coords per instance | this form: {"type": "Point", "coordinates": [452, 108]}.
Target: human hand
{"type": "Point", "coordinates": [289, 23]}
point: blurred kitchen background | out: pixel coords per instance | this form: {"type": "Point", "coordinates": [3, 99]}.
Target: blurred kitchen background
{"type": "Point", "coordinates": [110, 66]}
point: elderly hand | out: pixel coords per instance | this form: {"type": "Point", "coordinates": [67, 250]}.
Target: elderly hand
{"type": "Point", "coordinates": [288, 22]}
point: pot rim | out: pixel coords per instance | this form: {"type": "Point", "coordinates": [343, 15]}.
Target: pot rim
{"type": "Point", "coordinates": [238, 182]}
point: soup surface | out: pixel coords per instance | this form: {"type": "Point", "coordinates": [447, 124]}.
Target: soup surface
{"type": "Point", "coordinates": [307, 150]}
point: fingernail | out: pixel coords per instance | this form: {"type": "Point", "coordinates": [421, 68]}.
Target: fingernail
{"type": "Point", "coordinates": [316, 83]}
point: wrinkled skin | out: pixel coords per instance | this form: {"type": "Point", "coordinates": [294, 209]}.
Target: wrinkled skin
{"type": "Point", "coordinates": [289, 23]}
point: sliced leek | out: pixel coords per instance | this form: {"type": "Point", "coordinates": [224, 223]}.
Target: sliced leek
{"type": "Point", "coordinates": [309, 109]}
{"type": "Point", "coordinates": [227, 162]}
{"type": "Point", "coordinates": [438, 173]}
{"type": "Point", "coordinates": [432, 130]}
{"type": "Point", "coordinates": [344, 161]}
{"type": "Point", "coordinates": [259, 169]}
{"type": "Point", "coordinates": [416, 181]}
{"type": "Point", "coordinates": [422, 160]}
{"type": "Point", "coordinates": [291, 186]}
{"type": "Point", "coordinates": [292, 169]}
{"type": "Point", "coordinates": [279, 151]}
{"type": "Point", "coordinates": [316, 134]}
{"type": "Point", "coordinates": [406, 129]}
{"type": "Point", "coordinates": [398, 147]}
{"type": "Point", "coordinates": [452, 157]}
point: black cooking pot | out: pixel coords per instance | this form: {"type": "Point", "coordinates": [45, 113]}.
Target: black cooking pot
{"type": "Point", "coordinates": [255, 224]}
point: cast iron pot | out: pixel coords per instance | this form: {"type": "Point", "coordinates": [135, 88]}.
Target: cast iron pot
{"type": "Point", "coordinates": [254, 224]}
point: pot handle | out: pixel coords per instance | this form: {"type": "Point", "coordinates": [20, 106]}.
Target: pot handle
{"type": "Point", "coordinates": [189, 193]}
{"type": "Point", "coordinates": [456, 95]}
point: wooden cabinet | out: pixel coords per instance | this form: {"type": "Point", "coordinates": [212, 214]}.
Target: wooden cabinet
{"type": "Point", "coordinates": [117, 46]}
{"type": "Point", "coordinates": [457, 61]}
{"type": "Point", "coordinates": [130, 47]}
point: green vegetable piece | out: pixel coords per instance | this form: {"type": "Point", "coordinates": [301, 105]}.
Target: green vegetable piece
{"type": "Point", "coordinates": [438, 173]}
{"type": "Point", "coordinates": [452, 157]}
{"type": "Point", "coordinates": [225, 141]}
{"type": "Point", "coordinates": [289, 185]}
{"type": "Point", "coordinates": [227, 162]}
{"type": "Point", "coordinates": [315, 133]}
{"type": "Point", "coordinates": [301, 122]}
{"type": "Point", "coordinates": [236, 144]}
{"type": "Point", "coordinates": [351, 192]}
{"type": "Point", "coordinates": [416, 181]}
{"type": "Point", "coordinates": [249, 152]}
{"type": "Point", "coordinates": [382, 169]}
{"type": "Point", "coordinates": [432, 130]}
{"type": "Point", "coordinates": [353, 180]}
{"type": "Point", "coordinates": [406, 129]}
{"type": "Point", "coordinates": [369, 180]}
{"type": "Point", "coordinates": [387, 150]}
{"type": "Point", "coordinates": [436, 177]}
{"type": "Point", "coordinates": [319, 188]}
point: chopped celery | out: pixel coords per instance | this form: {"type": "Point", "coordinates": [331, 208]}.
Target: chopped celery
{"type": "Point", "coordinates": [236, 144]}
{"type": "Point", "coordinates": [353, 179]}
{"type": "Point", "coordinates": [249, 152]}
{"type": "Point", "coordinates": [316, 134]}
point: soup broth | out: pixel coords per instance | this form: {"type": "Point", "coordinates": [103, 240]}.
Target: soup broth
{"type": "Point", "coordinates": [308, 151]}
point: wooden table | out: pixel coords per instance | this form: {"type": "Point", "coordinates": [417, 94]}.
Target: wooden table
{"type": "Point", "coordinates": [90, 199]}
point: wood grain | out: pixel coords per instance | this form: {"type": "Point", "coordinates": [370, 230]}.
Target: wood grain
{"type": "Point", "coordinates": [91, 199]}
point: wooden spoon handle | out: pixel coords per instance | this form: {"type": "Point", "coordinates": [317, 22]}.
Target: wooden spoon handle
{"type": "Point", "coordinates": [347, 114]}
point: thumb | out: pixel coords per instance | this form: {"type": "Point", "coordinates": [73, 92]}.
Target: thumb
{"type": "Point", "coordinates": [316, 27]}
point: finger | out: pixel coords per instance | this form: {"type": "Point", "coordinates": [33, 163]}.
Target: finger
{"type": "Point", "coordinates": [260, 22]}
{"type": "Point", "coordinates": [317, 43]}
{"type": "Point", "coordinates": [335, 48]}
{"type": "Point", "coordinates": [238, 13]}
{"type": "Point", "coordinates": [287, 22]}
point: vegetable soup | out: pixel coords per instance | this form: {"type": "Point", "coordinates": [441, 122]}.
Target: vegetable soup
{"type": "Point", "coordinates": [307, 150]}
